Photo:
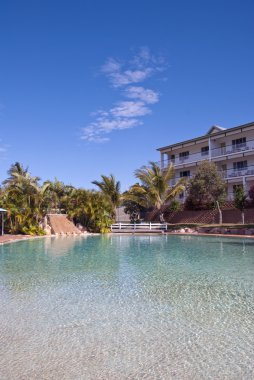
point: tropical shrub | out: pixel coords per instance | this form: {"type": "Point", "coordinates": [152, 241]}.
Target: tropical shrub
{"type": "Point", "coordinates": [206, 188]}
{"type": "Point", "coordinates": [91, 209]}
{"type": "Point", "coordinates": [27, 202]}
{"type": "Point", "coordinates": [33, 230]}
{"type": "Point", "coordinates": [133, 209]}
{"type": "Point", "coordinates": [154, 190]}
{"type": "Point", "coordinates": [240, 200]}
{"type": "Point", "coordinates": [110, 188]}
{"type": "Point", "coordinates": [175, 205]}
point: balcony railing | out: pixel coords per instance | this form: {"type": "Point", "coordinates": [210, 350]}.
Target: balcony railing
{"type": "Point", "coordinates": [215, 152]}
{"type": "Point", "coordinates": [193, 157]}
{"type": "Point", "coordinates": [226, 174]}
{"type": "Point", "coordinates": [233, 173]}
{"type": "Point", "coordinates": [231, 149]}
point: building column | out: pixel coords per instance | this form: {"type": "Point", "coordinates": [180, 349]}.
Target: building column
{"type": "Point", "coordinates": [210, 149]}
{"type": "Point", "coordinates": [162, 160]}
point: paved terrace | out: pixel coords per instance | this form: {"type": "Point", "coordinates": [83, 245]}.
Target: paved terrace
{"type": "Point", "coordinates": [9, 238]}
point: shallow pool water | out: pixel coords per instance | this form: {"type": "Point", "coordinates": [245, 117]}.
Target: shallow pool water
{"type": "Point", "coordinates": [127, 307]}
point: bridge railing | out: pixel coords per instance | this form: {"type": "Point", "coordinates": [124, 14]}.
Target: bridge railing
{"type": "Point", "coordinates": [139, 226]}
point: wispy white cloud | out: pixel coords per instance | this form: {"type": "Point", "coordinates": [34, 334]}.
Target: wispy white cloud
{"type": "Point", "coordinates": [111, 66]}
{"type": "Point", "coordinates": [95, 132]}
{"type": "Point", "coordinates": [139, 68]}
{"type": "Point", "coordinates": [126, 114]}
{"type": "Point", "coordinates": [119, 79]}
{"type": "Point", "coordinates": [130, 109]}
{"type": "Point", "coordinates": [146, 95]}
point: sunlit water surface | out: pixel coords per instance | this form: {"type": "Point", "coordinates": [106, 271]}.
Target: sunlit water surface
{"type": "Point", "coordinates": [124, 307]}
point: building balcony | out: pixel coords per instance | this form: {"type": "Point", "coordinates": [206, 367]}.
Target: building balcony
{"type": "Point", "coordinates": [222, 152]}
{"type": "Point", "coordinates": [234, 173]}
{"type": "Point", "coordinates": [229, 174]}
{"type": "Point", "coordinates": [233, 149]}
{"type": "Point", "coordinates": [191, 158]}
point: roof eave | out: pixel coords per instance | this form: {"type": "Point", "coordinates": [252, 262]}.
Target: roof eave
{"type": "Point", "coordinates": [223, 132]}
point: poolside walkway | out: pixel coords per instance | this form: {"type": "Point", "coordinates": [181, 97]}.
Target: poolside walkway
{"type": "Point", "coordinates": [8, 238]}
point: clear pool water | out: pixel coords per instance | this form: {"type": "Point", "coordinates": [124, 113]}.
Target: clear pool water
{"type": "Point", "coordinates": [124, 307]}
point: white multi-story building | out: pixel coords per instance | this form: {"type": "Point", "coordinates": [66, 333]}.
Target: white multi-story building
{"type": "Point", "coordinates": [231, 149]}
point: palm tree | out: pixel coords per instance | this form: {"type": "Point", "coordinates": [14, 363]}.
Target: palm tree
{"type": "Point", "coordinates": [57, 191]}
{"type": "Point", "coordinates": [90, 208]}
{"type": "Point", "coordinates": [15, 169]}
{"type": "Point", "coordinates": [39, 197]}
{"type": "Point", "coordinates": [111, 189]}
{"type": "Point", "coordinates": [18, 176]}
{"type": "Point", "coordinates": [155, 189]}
{"type": "Point", "coordinates": [23, 196]}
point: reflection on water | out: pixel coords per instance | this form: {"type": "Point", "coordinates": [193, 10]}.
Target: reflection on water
{"type": "Point", "coordinates": [120, 307]}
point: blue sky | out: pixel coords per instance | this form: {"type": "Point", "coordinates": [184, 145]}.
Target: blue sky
{"type": "Point", "coordinates": [94, 87]}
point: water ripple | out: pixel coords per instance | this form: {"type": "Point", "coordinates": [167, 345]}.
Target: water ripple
{"type": "Point", "coordinates": [144, 307]}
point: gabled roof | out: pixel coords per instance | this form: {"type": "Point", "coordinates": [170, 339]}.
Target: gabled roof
{"type": "Point", "coordinates": [214, 129]}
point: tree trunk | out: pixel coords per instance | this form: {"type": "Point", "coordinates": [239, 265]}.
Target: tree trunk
{"type": "Point", "coordinates": [162, 220]}
{"type": "Point", "coordinates": [220, 213]}
{"type": "Point", "coordinates": [242, 217]}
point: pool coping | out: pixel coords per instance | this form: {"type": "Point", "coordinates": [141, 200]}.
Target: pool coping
{"type": "Point", "coordinates": [27, 237]}
{"type": "Point", "coordinates": [19, 238]}
{"type": "Point", "coordinates": [180, 234]}
{"type": "Point", "coordinates": [13, 239]}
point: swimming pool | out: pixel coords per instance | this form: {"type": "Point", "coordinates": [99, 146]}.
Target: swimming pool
{"type": "Point", "coordinates": [127, 307]}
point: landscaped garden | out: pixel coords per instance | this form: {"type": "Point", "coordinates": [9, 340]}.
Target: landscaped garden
{"type": "Point", "coordinates": [28, 200]}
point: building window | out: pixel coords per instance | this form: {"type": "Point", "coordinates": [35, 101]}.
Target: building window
{"type": "Point", "coordinates": [239, 143]}
{"type": "Point", "coordinates": [183, 156]}
{"type": "Point", "coordinates": [172, 158]}
{"type": "Point", "coordinates": [205, 151]}
{"type": "Point", "coordinates": [240, 165]}
{"type": "Point", "coordinates": [185, 173]}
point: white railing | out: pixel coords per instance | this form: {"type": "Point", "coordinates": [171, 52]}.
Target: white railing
{"type": "Point", "coordinates": [215, 152]}
{"type": "Point", "coordinates": [139, 226]}
{"type": "Point", "coordinates": [192, 157]}
{"type": "Point", "coordinates": [244, 172]}
{"type": "Point", "coordinates": [231, 149]}
{"type": "Point", "coordinates": [226, 174]}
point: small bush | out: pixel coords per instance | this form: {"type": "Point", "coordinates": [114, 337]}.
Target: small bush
{"type": "Point", "coordinates": [33, 230]}
{"type": "Point", "coordinates": [174, 206]}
